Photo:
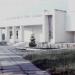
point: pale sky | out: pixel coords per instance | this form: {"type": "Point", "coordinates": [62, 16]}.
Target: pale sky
{"type": "Point", "coordinates": [11, 8]}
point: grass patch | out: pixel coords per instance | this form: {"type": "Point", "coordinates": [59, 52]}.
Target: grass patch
{"type": "Point", "coordinates": [53, 59]}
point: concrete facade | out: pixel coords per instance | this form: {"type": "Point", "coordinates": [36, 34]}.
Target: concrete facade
{"type": "Point", "coordinates": [48, 26]}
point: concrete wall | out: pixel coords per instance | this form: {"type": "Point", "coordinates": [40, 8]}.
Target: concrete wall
{"type": "Point", "coordinates": [36, 30]}
{"type": "Point", "coordinates": [29, 20]}
{"type": "Point", "coordinates": [71, 16]}
{"type": "Point", "coordinates": [60, 34]}
{"type": "Point", "coordinates": [74, 37]}
{"type": "Point", "coordinates": [70, 21]}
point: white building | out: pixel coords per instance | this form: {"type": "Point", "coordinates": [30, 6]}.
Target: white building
{"type": "Point", "coordinates": [49, 26]}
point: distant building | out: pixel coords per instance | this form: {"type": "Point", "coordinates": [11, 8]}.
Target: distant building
{"type": "Point", "coordinates": [48, 26]}
{"type": "Point", "coordinates": [56, 26]}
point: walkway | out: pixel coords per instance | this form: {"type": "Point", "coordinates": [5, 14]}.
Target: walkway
{"type": "Point", "coordinates": [13, 64]}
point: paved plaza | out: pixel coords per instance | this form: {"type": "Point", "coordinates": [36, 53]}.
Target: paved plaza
{"type": "Point", "coordinates": [13, 64]}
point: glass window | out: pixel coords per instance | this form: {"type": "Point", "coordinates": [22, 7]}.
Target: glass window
{"type": "Point", "coordinates": [3, 36]}
{"type": "Point", "coordinates": [17, 34]}
{"type": "Point", "coordinates": [10, 34]}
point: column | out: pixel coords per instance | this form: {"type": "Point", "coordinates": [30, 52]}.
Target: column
{"type": "Point", "coordinates": [0, 35]}
{"type": "Point", "coordinates": [14, 33]}
{"type": "Point", "coordinates": [74, 38]}
{"type": "Point", "coordinates": [21, 33]}
{"type": "Point", "coordinates": [53, 25]}
{"type": "Point", "coordinates": [7, 34]}
{"type": "Point", "coordinates": [45, 29]}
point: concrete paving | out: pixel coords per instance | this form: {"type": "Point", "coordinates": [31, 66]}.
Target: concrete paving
{"type": "Point", "coordinates": [13, 64]}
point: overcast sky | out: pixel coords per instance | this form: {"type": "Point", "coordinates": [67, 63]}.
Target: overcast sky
{"type": "Point", "coordinates": [11, 8]}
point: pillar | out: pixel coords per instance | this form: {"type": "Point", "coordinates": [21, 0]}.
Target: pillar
{"type": "Point", "coordinates": [0, 35]}
{"type": "Point", "coordinates": [45, 29]}
{"type": "Point", "coordinates": [14, 33]}
{"type": "Point", "coordinates": [7, 34]}
{"type": "Point", "coordinates": [21, 33]}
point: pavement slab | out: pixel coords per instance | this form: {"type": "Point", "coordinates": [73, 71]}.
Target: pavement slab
{"type": "Point", "coordinates": [13, 64]}
{"type": "Point", "coordinates": [11, 72]}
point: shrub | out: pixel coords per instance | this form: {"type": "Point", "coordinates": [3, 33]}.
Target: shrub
{"type": "Point", "coordinates": [32, 42]}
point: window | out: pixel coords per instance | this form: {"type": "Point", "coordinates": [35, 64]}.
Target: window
{"type": "Point", "coordinates": [10, 34]}
{"type": "Point", "coordinates": [17, 34]}
{"type": "Point", "coordinates": [3, 36]}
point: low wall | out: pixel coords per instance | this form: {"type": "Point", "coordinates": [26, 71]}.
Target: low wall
{"type": "Point", "coordinates": [58, 45]}
{"type": "Point", "coordinates": [48, 45]}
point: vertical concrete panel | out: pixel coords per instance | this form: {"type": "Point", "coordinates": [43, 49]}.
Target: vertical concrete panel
{"type": "Point", "coordinates": [21, 33]}
{"type": "Point", "coordinates": [7, 34]}
{"type": "Point", "coordinates": [71, 15]}
{"type": "Point", "coordinates": [45, 29]}
{"type": "Point", "coordinates": [0, 35]}
{"type": "Point", "coordinates": [14, 34]}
